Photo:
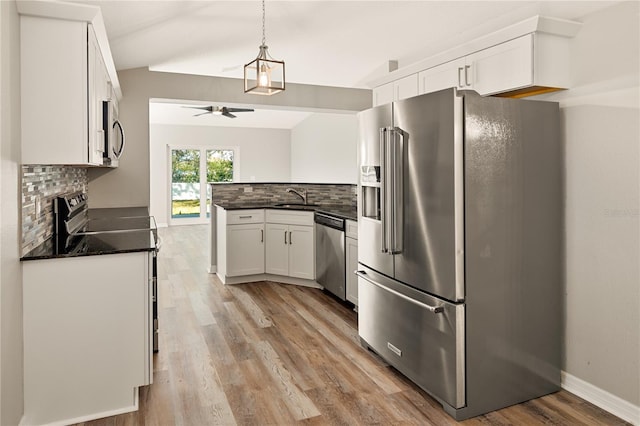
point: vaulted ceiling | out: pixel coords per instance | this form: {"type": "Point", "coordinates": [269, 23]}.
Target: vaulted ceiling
{"type": "Point", "coordinates": [332, 43]}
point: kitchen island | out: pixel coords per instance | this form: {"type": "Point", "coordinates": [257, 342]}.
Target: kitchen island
{"type": "Point", "coordinates": [335, 199]}
{"type": "Point", "coordinates": [258, 241]}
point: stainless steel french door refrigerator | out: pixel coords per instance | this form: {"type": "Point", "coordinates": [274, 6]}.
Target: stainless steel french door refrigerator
{"type": "Point", "coordinates": [459, 245]}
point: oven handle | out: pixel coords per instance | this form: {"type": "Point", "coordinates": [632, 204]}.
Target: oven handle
{"type": "Point", "coordinates": [434, 309]}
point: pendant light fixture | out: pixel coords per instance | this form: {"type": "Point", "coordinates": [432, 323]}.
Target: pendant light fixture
{"type": "Point", "coordinates": [264, 75]}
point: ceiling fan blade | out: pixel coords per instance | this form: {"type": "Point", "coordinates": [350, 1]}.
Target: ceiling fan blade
{"type": "Point", "coordinates": [202, 113]}
{"type": "Point", "coordinates": [239, 110]}
{"type": "Point", "coordinates": [228, 114]}
{"type": "Point", "coordinates": [206, 108]}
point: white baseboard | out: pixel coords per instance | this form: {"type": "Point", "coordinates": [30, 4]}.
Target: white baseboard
{"type": "Point", "coordinates": [600, 397]}
{"type": "Point", "coordinates": [267, 277]}
{"type": "Point", "coordinates": [89, 417]}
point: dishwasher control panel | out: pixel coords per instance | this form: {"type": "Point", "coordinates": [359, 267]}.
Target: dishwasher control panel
{"type": "Point", "coordinates": [330, 221]}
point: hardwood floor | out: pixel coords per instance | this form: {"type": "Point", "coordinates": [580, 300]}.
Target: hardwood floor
{"type": "Point", "coordinates": [274, 354]}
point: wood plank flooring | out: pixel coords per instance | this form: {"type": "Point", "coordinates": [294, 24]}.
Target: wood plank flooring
{"type": "Point", "coordinates": [275, 354]}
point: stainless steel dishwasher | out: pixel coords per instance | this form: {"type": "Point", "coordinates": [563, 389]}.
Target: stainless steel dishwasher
{"type": "Point", "coordinates": [330, 263]}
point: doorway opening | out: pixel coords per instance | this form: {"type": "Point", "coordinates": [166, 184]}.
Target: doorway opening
{"type": "Point", "coordinates": [191, 170]}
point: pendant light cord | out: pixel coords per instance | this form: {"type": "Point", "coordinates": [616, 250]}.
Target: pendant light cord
{"type": "Point", "coordinates": [264, 39]}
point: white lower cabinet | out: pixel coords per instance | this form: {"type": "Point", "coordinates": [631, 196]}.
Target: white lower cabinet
{"type": "Point", "coordinates": [245, 249]}
{"type": "Point", "coordinates": [87, 336]}
{"type": "Point", "coordinates": [302, 252]}
{"type": "Point", "coordinates": [351, 260]}
{"type": "Point", "coordinates": [240, 242]}
{"type": "Point", "coordinates": [277, 249]}
{"type": "Point", "coordinates": [290, 249]}
{"type": "Point", "coordinates": [248, 248]}
{"type": "Point", "coordinates": [351, 253]}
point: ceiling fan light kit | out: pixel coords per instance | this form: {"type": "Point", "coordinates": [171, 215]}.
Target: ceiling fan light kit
{"type": "Point", "coordinates": [264, 75]}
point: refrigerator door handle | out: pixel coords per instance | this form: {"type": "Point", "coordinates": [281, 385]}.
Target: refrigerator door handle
{"type": "Point", "coordinates": [433, 309]}
{"type": "Point", "coordinates": [389, 190]}
{"type": "Point", "coordinates": [384, 246]}
{"type": "Point", "coordinates": [397, 231]}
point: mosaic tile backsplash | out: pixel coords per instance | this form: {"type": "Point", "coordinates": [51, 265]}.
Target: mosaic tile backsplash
{"type": "Point", "coordinates": [40, 185]}
{"type": "Point", "coordinates": [334, 194]}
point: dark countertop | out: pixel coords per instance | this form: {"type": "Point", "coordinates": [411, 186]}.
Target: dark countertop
{"type": "Point", "coordinates": [340, 211]}
{"type": "Point", "coordinates": [131, 229]}
{"type": "Point", "coordinates": [94, 244]}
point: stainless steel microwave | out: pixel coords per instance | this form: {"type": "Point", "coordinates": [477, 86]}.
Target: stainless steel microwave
{"type": "Point", "coordinates": [114, 138]}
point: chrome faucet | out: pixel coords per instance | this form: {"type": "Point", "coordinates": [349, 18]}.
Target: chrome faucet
{"type": "Point", "coordinates": [302, 194]}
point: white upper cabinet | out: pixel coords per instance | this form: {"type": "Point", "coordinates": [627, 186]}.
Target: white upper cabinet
{"type": "Point", "coordinates": [449, 74]}
{"type": "Point", "coordinates": [527, 58]}
{"type": "Point", "coordinates": [383, 94]}
{"type": "Point", "coordinates": [406, 87]}
{"type": "Point", "coordinates": [403, 88]}
{"type": "Point", "coordinates": [506, 67]}
{"type": "Point", "coordinates": [64, 80]}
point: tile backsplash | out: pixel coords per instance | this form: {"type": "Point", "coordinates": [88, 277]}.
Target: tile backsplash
{"type": "Point", "coordinates": [40, 185]}
{"type": "Point", "coordinates": [326, 194]}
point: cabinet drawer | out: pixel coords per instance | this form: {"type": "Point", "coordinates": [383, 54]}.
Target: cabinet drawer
{"type": "Point", "coordinates": [235, 217]}
{"type": "Point", "coordinates": [351, 229]}
{"type": "Point", "coordinates": [290, 217]}
{"type": "Point", "coordinates": [432, 357]}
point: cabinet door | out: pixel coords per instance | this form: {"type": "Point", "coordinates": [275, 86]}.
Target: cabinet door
{"type": "Point", "coordinates": [507, 66]}
{"type": "Point", "coordinates": [96, 79]}
{"type": "Point", "coordinates": [406, 87]}
{"type": "Point", "coordinates": [93, 327]}
{"type": "Point", "coordinates": [351, 253]}
{"type": "Point", "coordinates": [444, 76]}
{"type": "Point", "coordinates": [301, 252]}
{"type": "Point", "coordinates": [54, 87]}
{"type": "Point", "coordinates": [277, 249]}
{"type": "Point", "coordinates": [383, 94]}
{"type": "Point", "coordinates": [245, 249]}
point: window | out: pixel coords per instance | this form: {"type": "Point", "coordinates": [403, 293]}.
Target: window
{"type": "Point", "coordinates": [192, 168]}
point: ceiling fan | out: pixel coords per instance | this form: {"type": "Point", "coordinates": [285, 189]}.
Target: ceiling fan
{"type": "Point", "coordinates": [216, 110]}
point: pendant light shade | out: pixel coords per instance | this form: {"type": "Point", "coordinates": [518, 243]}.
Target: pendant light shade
{"type": "Point", "coordinates": [264, 75]}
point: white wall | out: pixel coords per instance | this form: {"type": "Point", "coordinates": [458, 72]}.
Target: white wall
{"type": "Point", "coordinates": [264, 155]}
{"type": "Point", "coordinates": [324, 149]}
{"type": "Point", "coordinates": [602, 186]}
{"type": "Point", "coordinates": [11, 353]}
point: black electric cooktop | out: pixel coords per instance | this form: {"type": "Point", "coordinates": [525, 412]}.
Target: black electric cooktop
{"type": "Point", "coordinates": [94, 244]}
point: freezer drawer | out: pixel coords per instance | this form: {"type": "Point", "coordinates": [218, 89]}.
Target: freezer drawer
{"type": "Point", "coordinates": [420, 335]}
